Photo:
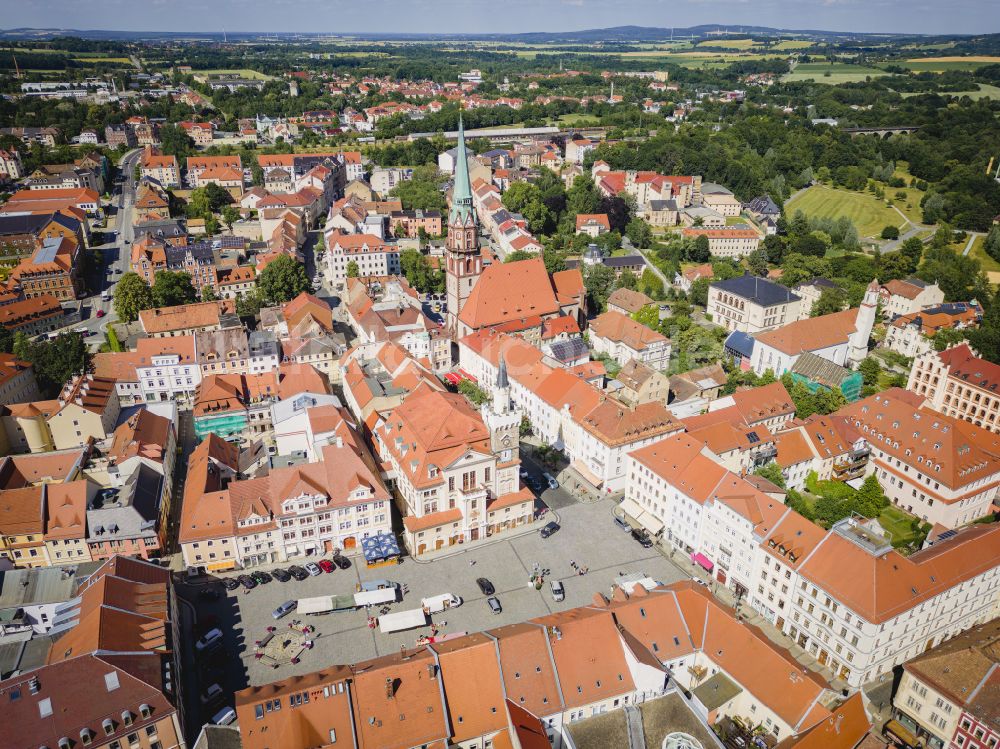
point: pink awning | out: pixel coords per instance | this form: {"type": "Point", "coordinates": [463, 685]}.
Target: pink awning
{"type": "Point", "coordinates": [453, 378]}
{"type": "Point", "coordinates": [702, 561]}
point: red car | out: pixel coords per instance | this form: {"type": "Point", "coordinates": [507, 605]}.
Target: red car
{"type": "Point", "coordinates": [100, 313]}
{"type": "Point", "coordinates": [326, 565]}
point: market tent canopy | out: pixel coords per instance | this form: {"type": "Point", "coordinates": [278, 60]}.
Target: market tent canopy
{"type": "Point", "coordinates": [380, 547]}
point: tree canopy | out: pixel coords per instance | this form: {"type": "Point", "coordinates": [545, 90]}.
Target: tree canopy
{"type": "Point", "coordinates": [282, 280]}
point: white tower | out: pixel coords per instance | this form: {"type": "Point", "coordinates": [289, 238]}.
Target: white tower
{"type": "Point", "coordinates": [857, 347]}
{"type": "Point", "coordinates": [501, 419]}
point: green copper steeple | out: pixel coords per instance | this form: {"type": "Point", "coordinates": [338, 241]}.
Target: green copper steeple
{"type": "Point", "coordinates": [461, 196]}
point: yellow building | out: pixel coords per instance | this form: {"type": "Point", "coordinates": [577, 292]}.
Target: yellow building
{"type": "Point", "coordinates": [22, 527]}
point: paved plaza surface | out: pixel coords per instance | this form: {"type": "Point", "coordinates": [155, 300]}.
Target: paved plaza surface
{"type": "Point", "coordinates": [587, 536]}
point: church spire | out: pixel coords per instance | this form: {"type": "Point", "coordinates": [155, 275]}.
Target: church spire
{"type": "Point", "coordinates": [502, 381]}
{"type": "Point", "coordinates": [461, 196]}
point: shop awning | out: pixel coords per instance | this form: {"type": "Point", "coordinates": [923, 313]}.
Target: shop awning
{"type": "Point", "coordinates": [589, 476]}
{"type": "Point", "coordinates": [651, 523]}
{"type": "Point", "coordinates": [702, 561]}
{"type": "Point", "coordinates": [452, 378]}
{"type": "Point", "coordinates": [226, 564]}
{"type": "Point", "coordinates": [467, 376]}
{"type": "Point", "coordinates": [901, 732]}
{"type": "Point", "coordinates": [631, 509]}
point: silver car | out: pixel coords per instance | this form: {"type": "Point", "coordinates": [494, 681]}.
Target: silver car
{"type": "Point", "coordinates": [313, 569]}
{"type": "Point", "coordinates": [284, 609]}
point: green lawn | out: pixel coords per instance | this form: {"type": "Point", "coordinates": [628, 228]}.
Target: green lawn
{"type": "Point", "coordinates": [839, 72]}
{"type": "Point", "coordinates": [577, 118]}
{"type": "Point", "coordinates": [869, 214]}
{"type": "Point", "coordinates": [989, 264]}
{"type": "Point", "coordinates": [899, 525]}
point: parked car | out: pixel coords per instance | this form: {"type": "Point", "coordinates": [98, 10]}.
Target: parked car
{"type": "Point", "coordinates": [557, 590]}
{"type": "Point", "coordinates": [209, 640]}
{"type": "Point", "coordinates": [550, 479]}
{"type": "Point", "coordinates": [281, 575]}
{"type": "Point", "coordinates": [230, 583]}
{"type": "Point", "coordinates": [643, 538]}
{"type": "Point", "coordinates": [247, 582]}
{"type": "Point", "coordinates": [549, 529]}
{"type": "Point", "coordinates": [101, 313]}
{"type": "Point", "coordinates": [313, 569]}
{"type": "Point", "coordinates": [286, 608]}
{"type": "Point", "coordinates": [700, 581]}
{"type": "Point", "coordinates": [524, 473]}
{"type": "Point", "coordinates": [224, 717]}
{"type": "Point", "coordinates": [486, 586]}
{"type": "Point", "coordinates": [620, 522]}
{"type": "Point", "coordinates": [297, 572]}
{"type": "Point", "coordinates": [260, 576]}
{"type": "Point", "coordinates": [494, 603]}
{"type": "Point", "coordinates": [343, 562]}
{"type": "Point", "coordinates": [326, 565]}
{"type": "Point", "coordinates": [212, 694]}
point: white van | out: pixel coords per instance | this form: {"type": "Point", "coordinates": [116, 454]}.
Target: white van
{"type": "Point", "coordinates": [224, 717]}
{"type": "Point", "coordinates": [558, 591]}
{"type": "Point", "coordinates": [435, 604]}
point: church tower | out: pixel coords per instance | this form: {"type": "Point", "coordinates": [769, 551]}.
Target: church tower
{"type": "Point", "coordinates": [464, 261]}
{"type": "Point", "coordinates": [503, 421]}
{"type": "Point", "coordinates": [857, 347]}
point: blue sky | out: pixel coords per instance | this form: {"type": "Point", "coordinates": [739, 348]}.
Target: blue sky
{"type": "Point", "coordinates": [507, 16]}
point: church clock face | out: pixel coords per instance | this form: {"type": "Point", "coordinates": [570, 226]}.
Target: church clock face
{"type": "Point", "coordinates": [506, 440]}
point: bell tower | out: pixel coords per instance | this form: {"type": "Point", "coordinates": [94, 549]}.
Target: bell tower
{"type": "Point", "coordinates": [464, 260]}
{"type": "Point", "coordinates": [503, 421]}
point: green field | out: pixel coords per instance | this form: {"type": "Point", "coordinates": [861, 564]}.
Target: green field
{"type": "Point", "coordinates": [839, 72]}
{"type": "Point", "coordinates": [986, 91]}
{"type": "Point", "coordinates": [244, 73]}
{"type": "Point", "coordinates": [989, 264]}
{"type": "Point", "coordinates": [727, 43]}
{"type": "Point", "coordinates": [577, 119]}
{"type": "Point", "coordinates": [869, 214]}
{"type": "Point", "coordinates": [792, 44]}
{"type": "Point", "coordinates": [940, 64]}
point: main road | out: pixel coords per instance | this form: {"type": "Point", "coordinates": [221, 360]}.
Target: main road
{"type": "Point", "coordinates": [115, 253]}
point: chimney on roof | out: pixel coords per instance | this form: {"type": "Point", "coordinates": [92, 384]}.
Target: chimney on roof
{"type": "Point", "coordinates": [390, 688]}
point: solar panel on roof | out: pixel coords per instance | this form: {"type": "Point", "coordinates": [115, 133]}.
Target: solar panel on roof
{"type": "Point", "coordinates": [752, 436]}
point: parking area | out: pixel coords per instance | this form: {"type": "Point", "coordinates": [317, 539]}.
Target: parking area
{"type": "Point", "coordinates": [587, 537]}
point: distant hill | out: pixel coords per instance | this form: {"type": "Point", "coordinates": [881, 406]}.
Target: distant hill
{"type": "Point", "coordinates": [614, 35]}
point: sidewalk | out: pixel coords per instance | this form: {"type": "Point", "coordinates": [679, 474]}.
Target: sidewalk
{"type": "Point", "coordinates": [453, 551]}
{"type": "Point", "coordinates": [748, 614]}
